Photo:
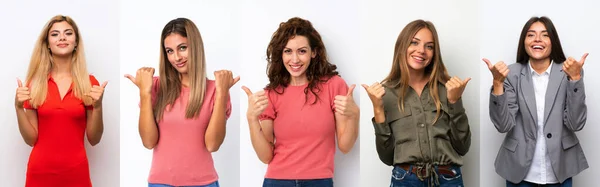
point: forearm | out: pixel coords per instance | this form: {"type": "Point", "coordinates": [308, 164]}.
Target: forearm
{"type": "Point", "coordinates": [576, 109]}
{"type": "Point", "coordinates": [459, 128]}
{"type": "Point", "coordinates": [384, 142]}
{"type": "Point", "coordinates": [26, 128]}
{"type": "Point", "coordinates": [95, 126]}
{"type": "Point", "coordinates": [262, 146]}
{"type": "Point", "coordinates": [147, 123]}
{"type": "Point", "coordinates": [215, 132]}
{"type": "Point", "coordinates": [349, 133]}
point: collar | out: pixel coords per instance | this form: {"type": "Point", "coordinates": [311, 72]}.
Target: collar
{"type": "Point", "coordinates": [548, 70]}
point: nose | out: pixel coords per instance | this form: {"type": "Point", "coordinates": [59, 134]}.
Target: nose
{"type": "Point", "coordinates": [177, 56]}
{"type": "Point", "coordinates": [421, 48]}
{"type": "Point", "coordinates": [295, 57]}
{"type": "Point", "coordinates": [62, 37]}
{"type": "Point", "coordinates": [537, 38]}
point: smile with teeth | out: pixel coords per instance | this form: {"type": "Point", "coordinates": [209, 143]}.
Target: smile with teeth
{"type": "Point", "coordinates": [296, 67]}
{"type": "Point", "coordinates": [537, 47]}
{"type": "Point", "coordinates": [418, 59]}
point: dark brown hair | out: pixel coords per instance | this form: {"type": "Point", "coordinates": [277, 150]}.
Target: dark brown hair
{"type": "Point", "coordinates": [319, 70]}
{"type": "Point", "coordinates": [556, 52]}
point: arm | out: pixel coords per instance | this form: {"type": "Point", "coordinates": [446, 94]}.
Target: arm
{"type": "Point", "coordinates": [215, 132]}
{"type": "Point", "coordinates": [28, 125]}
{"type": "Point", "coordinates": [346, 120]}
{"type": "Point", "coordinates": [147, 126]}
{"type": "Point", "coordinates": [263, 138]}
{"type": "Point", "coordinates": [575, 108]}
{"type": "Point", "coordinates": [384, 139]}
{"type": "Point", "coordinates": [504, 108]}
{"type": "Point", "coordinates": [460, 133]}
{"type": "Point", "coordinates": [95, 126]}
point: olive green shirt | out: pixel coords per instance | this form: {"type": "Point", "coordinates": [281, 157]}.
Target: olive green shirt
{"type": "Point", "coordinates": [410, 137]}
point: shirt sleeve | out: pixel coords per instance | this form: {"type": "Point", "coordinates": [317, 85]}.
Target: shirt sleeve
{"type": "Point", "coordinates": [94, 82]}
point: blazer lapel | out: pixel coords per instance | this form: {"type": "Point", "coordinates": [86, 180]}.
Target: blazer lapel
{"type": "Point", "coordinates": [556, 78]}
{"type": "Point", "coordinates": [528, 94]}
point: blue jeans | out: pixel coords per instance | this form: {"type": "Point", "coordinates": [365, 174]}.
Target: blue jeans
{"type": "Point", "coordinates": [298, 183]}
{"type": "Point", "coordinates": [403, 178]}
{"type": "Point", "coordinates": [566, 183]}
{"type": "Point", "coordinates": [214, 184]}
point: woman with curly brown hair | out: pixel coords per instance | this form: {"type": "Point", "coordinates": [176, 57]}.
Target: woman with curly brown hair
{"type": "Point", "coordinates": [295, 121]}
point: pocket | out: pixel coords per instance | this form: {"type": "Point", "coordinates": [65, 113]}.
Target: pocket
{"type": "Point", "coordinates": [452, 174]}
{"type": "Point", "coordinates": [510, 144]}
{"type": "Point", "coordinates": [397, 114]}
{"type": "Point", "coordinates": [398, 173]}
{"type": "Point", "coordinates": [569, 141]}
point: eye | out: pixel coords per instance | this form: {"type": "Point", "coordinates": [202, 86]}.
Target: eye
{"type": "Point", "coordinates": [430, 47]}
{"type": "Point", "coordinates": [53, 34]}
{"type": "Point", "coordinates": [302, 51]}
{"type": "Point", "coordinates": [287, 51]}
{"type": "Point", "coordinates": [169, 51]}
{"type": "Point", "coordinates": [69, 33]}
{"type": "Point", "coordinates": [414, 43]}
{"type": "Point", "coordinates": [182, 48]}
{"type": "Point", "coordinates": [529, 35]}
{"type": "Point", "coordinates": [546, 35]}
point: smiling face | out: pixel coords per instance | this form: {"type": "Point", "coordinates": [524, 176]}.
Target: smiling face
{"type": "Point", "coordinates": [420, 51]}
{"type": "Point", "coordinates": [296, 56]}
{"type": "Point", "coordinates": [62, 39]}
{"type": "Point", "coordinates": [176, 49]}
{"type": "Point", "coordinates": [537, 42]}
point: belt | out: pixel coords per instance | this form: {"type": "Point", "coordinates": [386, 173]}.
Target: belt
{"type": "Point", "coordinates": [420, 170]}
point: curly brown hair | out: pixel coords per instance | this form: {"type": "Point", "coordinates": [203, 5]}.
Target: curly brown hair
{"type": "Point", "coordinates": [320, 69]}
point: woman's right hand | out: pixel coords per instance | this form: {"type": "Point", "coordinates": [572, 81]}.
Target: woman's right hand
{"type": "Point", "coordinates": [376, 92]}
{"type": "Point", "coordinates": [499, 73]}
{"type": "Point", "coordinates": [22, 94]}
{"type": "Point", "coordinates": [257, 102]}
{"type": "Point", "coordinates": [143, 79]}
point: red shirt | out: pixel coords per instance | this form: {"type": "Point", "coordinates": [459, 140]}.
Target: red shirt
{"type": "Point", "coordinates": [58, 157]}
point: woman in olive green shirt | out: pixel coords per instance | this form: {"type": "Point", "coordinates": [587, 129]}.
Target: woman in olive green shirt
{"type": "Point", "coordinates": [420, 124]}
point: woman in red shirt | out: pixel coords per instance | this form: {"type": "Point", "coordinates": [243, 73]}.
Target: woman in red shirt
{"type": "Point", "coordinates": [294, 123]}
{"type": "Point", "coordinates": [58, 105]}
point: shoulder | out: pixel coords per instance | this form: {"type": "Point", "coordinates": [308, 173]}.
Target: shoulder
{"type": "Point", "coordinates": [93, 80]}
{"type": "Point", "coordinates": [516, 67]}
{"type": "Point", "coordinates": [336, 80]}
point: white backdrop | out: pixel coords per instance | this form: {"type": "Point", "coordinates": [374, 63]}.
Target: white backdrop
{"type": "Point", "coordinates": [98, 27]}
{"type": "Point", "coordinates": [381, 23]}
{"type": "Point", "coordinates": [336, 22]}
{"type": "Point", "coordinates": [576, 23]}
{"type": "Point", "coordinates": [141, 24]}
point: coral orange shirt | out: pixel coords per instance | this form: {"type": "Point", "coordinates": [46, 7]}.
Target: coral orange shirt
{"type": "Point", "coordinates": [180, 158]}
{"type": "Point", "coordinates": [58, 157]}
{"type": "Point", "coordinates": [304, 132]}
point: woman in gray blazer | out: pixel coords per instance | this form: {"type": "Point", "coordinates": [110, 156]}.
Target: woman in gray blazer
{"type": "Point", "coordinates": [539, 102]}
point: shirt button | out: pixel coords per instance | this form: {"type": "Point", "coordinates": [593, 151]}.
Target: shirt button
{"type": "Point", "coordinates": [549, 135]}
{"type": "Point", "coordinates": [424, 141]}
{"type": "Point", "coordinates": [575, 90]}
{"type": "Point", "coordinates": [495, 103]}
{"type": "Point", "coordinates": [422, 125]}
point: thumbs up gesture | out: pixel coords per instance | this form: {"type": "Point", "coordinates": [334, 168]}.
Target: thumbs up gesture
{"type": "Point", "coordinates": [573, 68]}
{"type": "Point", "coordinates": [499, 71]}
{"type": "Point", "coordinates": [96, 93]}
{"type": "Point", "coordinates": [224, 80]}
{"type": "Point", "coordinates": [375, 92]}
{"type": "Point", "coordinates": [257, 102]}
{"type": "Point", "coordinates": [344, 104]}
{"type": "Point", "coordinates": [455, 88]}
{"type": "Point", "coordinates": [22, 94]}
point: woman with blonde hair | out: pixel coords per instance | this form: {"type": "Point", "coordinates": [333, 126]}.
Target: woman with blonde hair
{"type": "Point", "coordinates": [420, 124]}
{"type": "Point", "coordinates": [182, 113]}
{"type": "Point", "coordinates": [295, 121]}
{"type": "Point", "coordinates": [58, 105]}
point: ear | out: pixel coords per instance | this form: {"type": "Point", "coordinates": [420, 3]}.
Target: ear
{"type": "Point", "coordinates": [313, 54]}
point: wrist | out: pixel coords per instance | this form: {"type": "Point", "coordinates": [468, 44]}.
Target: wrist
{"type": "Point", "coordinates": [575, 78]}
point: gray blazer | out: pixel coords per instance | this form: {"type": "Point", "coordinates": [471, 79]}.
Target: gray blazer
{"type": "Point", "coordinates": [514, 113]}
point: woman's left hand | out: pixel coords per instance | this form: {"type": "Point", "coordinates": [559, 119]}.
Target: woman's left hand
{"type": "Point", "coordinates": [224, 80]}
{"type": "Point", "coordinates": [96, 93]}
{"type": "Point", "coordinates": [455, 88]}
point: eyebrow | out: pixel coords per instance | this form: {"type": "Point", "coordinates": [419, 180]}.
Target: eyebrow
{"type": "Point", "coordinates": [59, 31]}
{"type": "Point", "coordinates": [298, 48]}
{"type": "Point", "coordinates": [534, 30]}
{"type": "Point", "coordinates": [420, 40]}
{"type": "Point", "coordinates": [177, 45]}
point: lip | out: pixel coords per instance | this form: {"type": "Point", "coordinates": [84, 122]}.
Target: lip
{"type": "Point", "coordinates": [180, 65]}
{"type": "Point", "coordinates": [537, 47]}
{"type": "Point", "coordinates": [418, 59]}
{"type": "Point", "coordinates": [62, 45]}
{"type": "Point", "coordinates": [296, 67]}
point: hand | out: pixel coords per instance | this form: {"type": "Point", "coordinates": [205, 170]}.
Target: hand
{"type": "Point", "coordinates": [344, 104]}
{"type": "Point", "coordinates": [224, 80]}
{"type": "Point", "coordinates": [573, 68]}
{"type": "Point", "coordinates": [22, 94]}
{"type": "Point", "coordinates": [376, 93]}
{"type": "Point", "coordinates": [455, 88]}
{"type": "Point", "coordinates": [257, 102]}
{"type": "Point", "coordinates": [143, 79]}
{"type": "Point", "coordinates": [96, 93]}
{"type": "Point", "coordinates": [499, 71]}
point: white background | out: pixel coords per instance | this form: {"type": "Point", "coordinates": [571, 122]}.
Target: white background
{"type": "Point", "coordinates": [140, 27]}
{"type": "Point", "coordinates": [20, 30]}
{"type": "Point", "coordinates": [577, 26]}
{"type": "Point", "coordinates": [381, 23]}
{"type": "Point", "coordinates": [336, 22]}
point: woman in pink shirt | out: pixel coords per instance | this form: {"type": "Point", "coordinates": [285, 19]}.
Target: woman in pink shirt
{"type": "Point", "coordinates": [182, 113]}
{"type": "Point", "coordinates": [294, 122]}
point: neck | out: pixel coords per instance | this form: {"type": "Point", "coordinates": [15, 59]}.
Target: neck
{"type": "Point", "coordinates": [62, 65]}
{"type": "Point", "coordinates": [298, 81]}
{"type": "Point", "coordinates": [417, 77]}
{"type": "Point", "coordinates": [539, 65]}
{"type": "Point", "coordinates": [185, 79]}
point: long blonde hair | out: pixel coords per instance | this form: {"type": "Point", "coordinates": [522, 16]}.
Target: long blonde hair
{"type": "Point", "coordinates": [170, 83]}
{"type": "Point", "coordinates": [399, 76]}
{"type": "Point", "coordinates": [42, 62]}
